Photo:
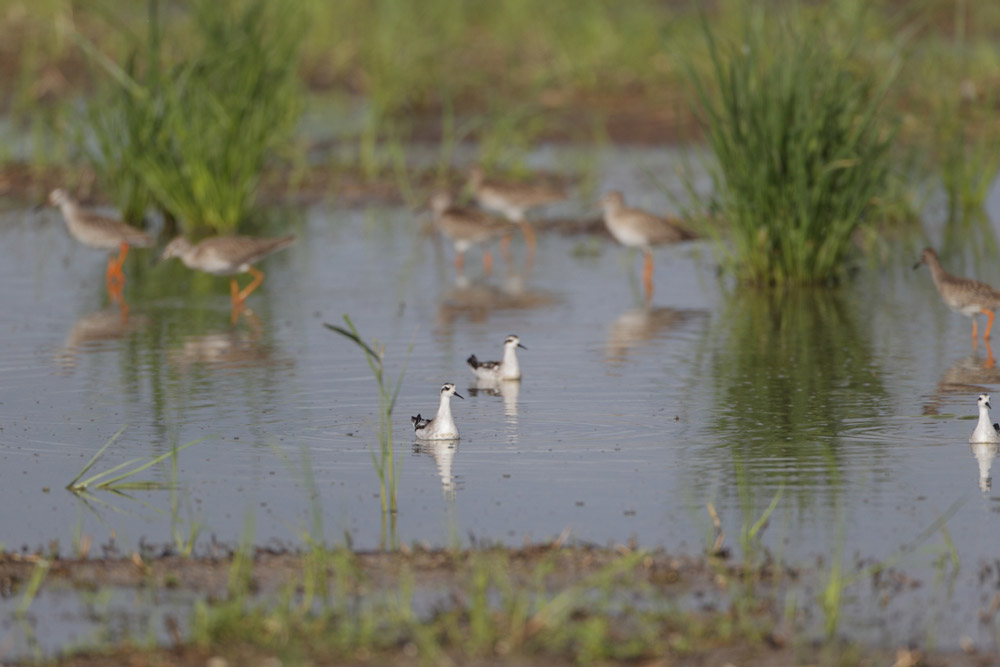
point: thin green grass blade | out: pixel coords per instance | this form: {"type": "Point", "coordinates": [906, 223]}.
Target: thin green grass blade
{"type": "Point", "coordinates": [399, 379]}
{"type": "Point", "coordinates": [766, 515]}
{"type": "Point", "coordinates": [90, 481]}
{"type": "Point", "coordinates": [93, 459]}
{"type": "Point", "coordinates": [352, 335]}
{"type": "Point", "coordinates": [172, 452]}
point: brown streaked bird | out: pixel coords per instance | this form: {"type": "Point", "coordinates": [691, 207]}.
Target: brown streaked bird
{"type": "Point", "coordinates": [466, 227]}
{"type": "Point", "coordinates": [963, 295]}
{"type": "Point", "coordinates": [636, 228]}
{"type": "Point", "coordinates": [227, 256]}
{"type": "Point", "coordinates": [98, 231]}
{"type": "Point", "coordinates": [513, 200]}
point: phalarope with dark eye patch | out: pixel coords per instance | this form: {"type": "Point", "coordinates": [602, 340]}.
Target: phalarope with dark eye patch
{"type": "Point", "coordinates": [986, 430]}
{"type": "Point", "coordinates": [506, 369]}
{"type": "Point", "coordinates": [442, 427]}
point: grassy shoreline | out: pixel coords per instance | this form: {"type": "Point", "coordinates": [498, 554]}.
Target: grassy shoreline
{"type": "Point", "coordinates": [543, 604]}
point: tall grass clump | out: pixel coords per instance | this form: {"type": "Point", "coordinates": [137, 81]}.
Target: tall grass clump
{"type": "Point", "coordinates": [224, 109]}
{"type": "Point", "coordinates": [801, 151]}
{"type": "Point", "coordinates": [193, 130]}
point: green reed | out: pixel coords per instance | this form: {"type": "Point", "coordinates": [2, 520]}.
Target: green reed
{"type": "Point", "coordinates": [801, 151]}
{"type": "Point", "coordinates": [121, 126]}
{"type": "Point", "coordinates": [225, 108]}
{"type": "Point", "coordinates": [194, 130]}
{"type": "Point", "coordinates": [384, 460]}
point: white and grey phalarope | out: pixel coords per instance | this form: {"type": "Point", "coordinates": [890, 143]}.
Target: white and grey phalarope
{"type": "Point", "coordinates": [506, 369]}
{"type": "Point", "coordinates": [963, 295]}
{"type": "Point", "coordinates": [98, 231]}
{"type": "Point", "coordinates": [986, 430]}
{"type": "Point", "coordinates": [442, 427]}
{"type": "Point", "coordinates": [636, 228]}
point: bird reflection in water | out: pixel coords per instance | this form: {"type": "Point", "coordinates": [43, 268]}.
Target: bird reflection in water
{"type": "Point", "coordinates": [985, 452]}
{"type": "Point", "coordinates": [90, 331]}
{"type": "Point", "coordinates": [443, 452]}
{"type": "Point", "coordinates": [508, 390]}
{"type": "Point", "coordinates": [634, 328]}
{"type": "Point", "coordinates": [476, 300]}
{"type": "Point", "coordinates": [233, 348]}
{"type": "Point", "coordinates": [972, 374]}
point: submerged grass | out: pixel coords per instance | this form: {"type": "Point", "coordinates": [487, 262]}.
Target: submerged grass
{"type": "Point", "coordinates": [800, 147]}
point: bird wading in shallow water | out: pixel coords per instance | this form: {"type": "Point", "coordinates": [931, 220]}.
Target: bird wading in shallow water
{"type": "Point", "coordinates": [963, 295]}
{"type": "Point", "coordinates": [228, 256]}
{"type": "Point", "coordinates": [636, 228]}
{"type": "Point", "coordinates": [442, 427]}
{"type": "Point", "coordinates": [505, 369]}
{"type": "Point", "coordinates": [98, 231]}
{"type": "Point", "coordinates": [513, 200]}
{"type": "Point", "coordinates": [466, 227]}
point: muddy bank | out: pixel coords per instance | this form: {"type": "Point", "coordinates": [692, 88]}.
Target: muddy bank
{"type": "Point", "coordinates": [432, 567]}
{"type": "Point", "coordinates": [711, 588]}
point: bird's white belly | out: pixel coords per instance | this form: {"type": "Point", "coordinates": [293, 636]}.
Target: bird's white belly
{"type": "Point", "coordinates": [627, 236]}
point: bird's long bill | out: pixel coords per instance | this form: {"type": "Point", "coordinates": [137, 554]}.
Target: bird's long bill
{"type": "Point", "coordinates": [917, 265]}
{"type": "Point", "coordinates": [460, 396]}
{"type": "Point", "coordinates": [521, 346]}
{"type": "Point", "coordinates": [988, 405]}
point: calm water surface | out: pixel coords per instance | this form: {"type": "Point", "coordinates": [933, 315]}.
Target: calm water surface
{"type": "Point", "coordinates": [855, 405]}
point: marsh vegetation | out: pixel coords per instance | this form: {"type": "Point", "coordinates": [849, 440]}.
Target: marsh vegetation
{"type": "Point", "coordinates": [768, 415]}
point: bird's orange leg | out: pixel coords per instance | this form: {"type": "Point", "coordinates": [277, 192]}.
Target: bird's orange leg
{"type": "Point", "coordinates": [114, 277]}
{"type": "Point", "coordinates": [109, 275]}
{"type": "Point", "coordinates": [530, 243]}
{"type": "Point", "coordinates": [258, 278]}
{"type": "Point", "coordinates": [115, 291]}
{"type": "Point", "coordinates": [120, 262]}
{"type": "Point", "coordinates": [989, 323]}
{"type": "Point", "coordinates": [234, 296]}
{"type": "Point", "coordinates": [647, 275]}
{"type": "Point", "coordinates": [460, 262]}
{"type": "Point", "coordinates": [487, 262]}
{"type": "Point", "coordinates": [990, 361]}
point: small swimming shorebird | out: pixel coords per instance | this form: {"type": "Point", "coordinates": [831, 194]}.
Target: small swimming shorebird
{"type": "Point", "coordinates": [507, 369]}
{"type": "Point", "coordinates": [963, 295]}
{"type": "Point", "coordinates": [98, 231]}
{"type": "Point", "coordinates": [636, 228]}
{"type": "Point", "coordinates": [466, 227]}
{"type": "Point", "coordinates": [442, 427]}
{"type": "Point", "coordinates": [513, 200]}
{"type": "Point", "coordinates": [986, 430]}
{"type": "Point", "coordinates": [227, 256]}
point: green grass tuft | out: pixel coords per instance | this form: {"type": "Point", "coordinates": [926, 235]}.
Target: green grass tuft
{"type": "Point", "coordinates": [800, 148]}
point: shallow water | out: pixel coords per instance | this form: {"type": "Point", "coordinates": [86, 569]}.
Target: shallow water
{"type": "Point", "coordinates": [855, 405]}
